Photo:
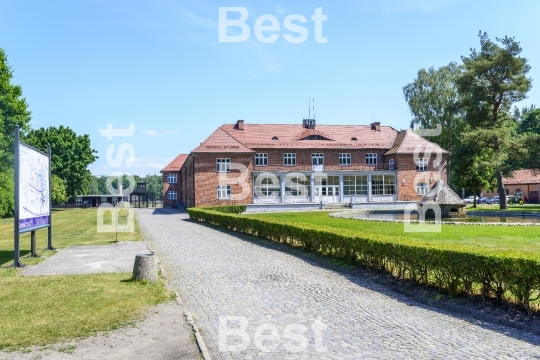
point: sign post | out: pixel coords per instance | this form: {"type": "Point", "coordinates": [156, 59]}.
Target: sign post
{"type": "Point", "coordinates": [49, 230]}
{"type": "Point", "coordinates": [32, 195]}
{"type": "Point", "coordinates": [16, 257]}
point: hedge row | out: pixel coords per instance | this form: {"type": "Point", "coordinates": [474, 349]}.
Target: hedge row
{"type": "Point", "coordinates": [230, 209]}
{"type": "Point", "coordinates": [456, 272]}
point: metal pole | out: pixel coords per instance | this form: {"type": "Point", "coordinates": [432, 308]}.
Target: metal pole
{"type": "Point", "coordinates": [33, 252]}
{"type": "Point", "coordinates": [16, 247]}
{"type": "Point", "coordinates": [49, 230]}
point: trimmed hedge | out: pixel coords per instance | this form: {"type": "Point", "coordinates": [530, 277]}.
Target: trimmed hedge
{"type": "Point", "coordinates": [501, 276]}
{"type": "Point", "coordinates": [229, 209]}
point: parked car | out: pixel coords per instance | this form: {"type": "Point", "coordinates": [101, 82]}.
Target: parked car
{"type": "Point", "coordinates": [484, 200]}
{"type": "Point", "coordinates": [493, 200]}
{"type": "Point", "coordinates": [470, 199]}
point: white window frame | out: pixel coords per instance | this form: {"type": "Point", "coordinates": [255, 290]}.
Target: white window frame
{"type": "Point", "coordinates": [172, 195]}
{"type": "Point", "coordinates": [421, 164]}
{"type": "Point", "coordinates": [104, 200]}
{"type": "Point", "coordinates": [114, 200]}
{"type": "Point", "coordinates": [223, 165]}
{"type": "Point", "coordinates": [345, 159]}
{"type": "Point", "coordinates": [391, 164]}
{"type": "Point", "coordinates": [317, 159]}
{"type": "Point", "coordinates": [371, 158]}
{"type": "Point", "coordinates": [267, 186]}
{"type": "Point", "coordinates": [261, 159]}
{"type": "Point", "coordinates": [422, 188]}
{"type": "Point", "coordinates": [78, 201]}
{"type": "Point", "coordinates": [289, 159]}
{"type": "Point", "coordinates": [172, 178]}
{"type": "Point", "coordinates": [224, 192]}
{"type": "Point", "coordinates": [383, 184]}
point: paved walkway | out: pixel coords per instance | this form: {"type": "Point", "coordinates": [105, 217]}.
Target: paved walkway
{"type": "Point", "coordinates": [220, 274]}
{"type": "Point", "coordinates": [90, 259]}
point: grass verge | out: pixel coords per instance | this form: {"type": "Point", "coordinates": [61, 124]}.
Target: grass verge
{"type": "Point", "coordinates": [46, 309]}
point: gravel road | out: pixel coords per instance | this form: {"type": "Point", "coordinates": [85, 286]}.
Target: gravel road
{"type": "Point", "coordinates": [251, 299]}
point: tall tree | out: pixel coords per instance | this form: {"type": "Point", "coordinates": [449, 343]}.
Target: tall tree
{"type": "Point", "coordinates": [474, 170]}
{"type": "Point", "coordinates": [432, 98]}
{"type": "Point", "coordinates": [7, 189]}
{"type": "Point", "coordinates": [71, 155]}
{"type": "Point", "coordinates": [58, 190]}
{"type": "Point", "coordinates": [530, 122]}
{"type": "Point", "coordinates": [493, 80]}
{"type": "Point", "coordinates": [13, 111]}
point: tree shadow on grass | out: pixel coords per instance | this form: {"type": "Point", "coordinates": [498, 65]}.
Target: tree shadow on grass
{"type": "Point", "coordinates": [378, 281]}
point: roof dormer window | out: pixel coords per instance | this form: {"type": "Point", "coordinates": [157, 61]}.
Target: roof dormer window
{"type": "Point", "coordinates": [275, 138]}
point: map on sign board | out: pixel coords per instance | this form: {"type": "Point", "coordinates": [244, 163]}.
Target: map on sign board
{"type": "Point", "coordinates": [33, 189]}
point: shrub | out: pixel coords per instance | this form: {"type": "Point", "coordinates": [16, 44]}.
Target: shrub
{"type": "Point", "coordinates": [229, 209]}
{"type": "Point", "coordinates": [498, 274]}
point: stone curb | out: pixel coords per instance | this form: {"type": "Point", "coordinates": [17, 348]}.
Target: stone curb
{"type": "Point", "coordinates": [198, 337]}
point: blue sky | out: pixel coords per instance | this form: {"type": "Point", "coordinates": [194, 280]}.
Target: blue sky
{"type": "Point", "coordinates": [159, 65]}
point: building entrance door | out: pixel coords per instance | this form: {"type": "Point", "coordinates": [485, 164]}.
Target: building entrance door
{"type": "Point", "coordinates": [533, 197]}
{"type": "Point", "coordinates": [327, 193]}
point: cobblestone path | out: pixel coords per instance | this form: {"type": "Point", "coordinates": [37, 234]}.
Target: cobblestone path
{"type": "Point", "coordinates": [220, 274]}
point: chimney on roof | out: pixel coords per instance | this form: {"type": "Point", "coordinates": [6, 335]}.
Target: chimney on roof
{"type": "Point", "coordinates": [376, 126]}
{"type": "Point", "coordinates": [240, 125]}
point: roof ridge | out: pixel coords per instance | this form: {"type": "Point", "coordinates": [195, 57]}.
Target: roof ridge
{"type": "Point", "coordinates": [235, 139]}
{"type": "Point", "coordinates": [402, 139]}
{"type": "Point", "coordinates": [177, 158]}
{"type": "Point", "coordinates": [387, 126]}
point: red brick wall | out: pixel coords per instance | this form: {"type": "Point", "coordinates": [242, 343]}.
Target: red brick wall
{"type": "Point", "coordinates": [206, 179]}
{"type": "Point", "coordinates": [200, 188]}
{"type": "Point", "coordinates": [331, 160]}
{"type": "Point", "coordinates": [188, 188]}
{"type": "Point", "coordinates": [407, 171]}
{"type": "Point", "coordinates": [173, 187]}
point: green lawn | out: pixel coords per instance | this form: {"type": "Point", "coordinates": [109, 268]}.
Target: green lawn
{"type": "Point", "coordinates": [45, 309]}
{"type": "Point", "coordinates": [511, 208]}
{"type": "Point", "coordinates": [521, 241]}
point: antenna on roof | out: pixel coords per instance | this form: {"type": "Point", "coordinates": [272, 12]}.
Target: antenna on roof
{"type": "Point", "coordinates": [309, 109]}
{"type": "Point", "coordinates": [313, 109]}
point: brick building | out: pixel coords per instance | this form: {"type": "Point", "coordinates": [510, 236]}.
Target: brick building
{"type": "Point", "coordinates": [306, 163]}
{"type": "Point", "coordinates": [171, 180]}
{"type": "Point", "coordinates": [524, 182]}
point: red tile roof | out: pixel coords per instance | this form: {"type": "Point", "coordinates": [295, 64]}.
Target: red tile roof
{"type": "Point", "coordinates": [311, 132]}
{"type": "Point", "coordinates": [176, 164]}
{"type": "Point", "coordinates": [229, 139]}
{"type": "Point", "coordinates": [261, 135]}
{"type": "Point", "coordinates": [221, 141]}
{"type": "Point", "coordinates": [407, 141]}
{"type": "Point", "coordinates": [522, 177]}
